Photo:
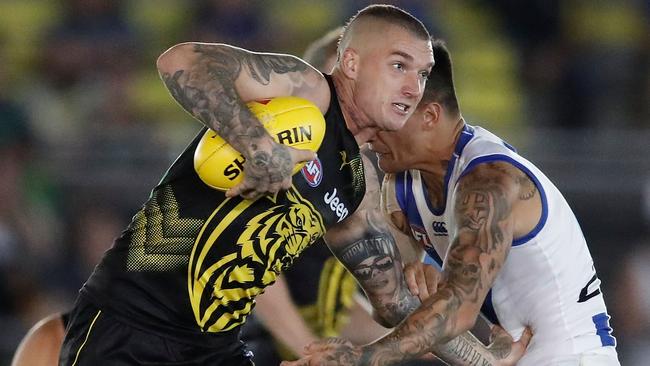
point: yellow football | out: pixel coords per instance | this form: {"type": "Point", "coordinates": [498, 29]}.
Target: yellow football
{"type": "Point", "coordinates": [292, 121]}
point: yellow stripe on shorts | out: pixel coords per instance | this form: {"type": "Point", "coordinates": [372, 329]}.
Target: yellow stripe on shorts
{"type": "Point", "coordinates": [85, 340]}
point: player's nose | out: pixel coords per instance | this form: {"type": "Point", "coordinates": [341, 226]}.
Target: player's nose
{"type": "Point", "coordinates": [412, 86]}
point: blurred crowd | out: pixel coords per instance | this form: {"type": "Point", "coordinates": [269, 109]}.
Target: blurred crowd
{"type": "Point", "coordinates": [87, 128]}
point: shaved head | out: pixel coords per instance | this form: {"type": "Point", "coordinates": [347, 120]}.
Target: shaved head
{"type": "Point", "coordinates": [368, 25]}
{"type": "Point", "coordinates": [384, 57]}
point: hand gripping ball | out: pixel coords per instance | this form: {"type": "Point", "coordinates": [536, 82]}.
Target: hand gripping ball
{"type": "Point", "coordinates": [291, 121]}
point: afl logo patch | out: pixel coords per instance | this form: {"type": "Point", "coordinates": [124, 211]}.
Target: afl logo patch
{"type": "Point", "coordinates": [313, 172]}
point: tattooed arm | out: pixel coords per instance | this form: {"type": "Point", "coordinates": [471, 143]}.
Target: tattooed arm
{"type": "Point", "coordinates": [213, 82]}
{"type": "Point", "coordinates": [422, 280]}
{"type": "Point", "coordinates": [467, 350]}
{"type": "Point", "coordinates": [482, 237]}
{"type": "Point", "coordinates": [366, 247]}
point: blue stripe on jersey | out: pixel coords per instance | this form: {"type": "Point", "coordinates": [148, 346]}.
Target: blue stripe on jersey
{"type": "Point", "coordinates": [603, 330]}
{"type": "Point", "coordinates": [487, 309]}
{"type": "Point", "coordinates": [465, 136]}
{"type": "Point", "coordinates": [500, 157]}
{"type": "Point", "coordinates": [432, 258]}
{"type": "Point", "coordinates": [406, 200]}
{"type": "Point", "coordinates": [510, 147]}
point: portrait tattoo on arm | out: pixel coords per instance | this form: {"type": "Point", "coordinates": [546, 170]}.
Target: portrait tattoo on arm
{"type": "Point", "coordinates": [371, 255]}
{"type": "Point", "coordinates": [483, 236]}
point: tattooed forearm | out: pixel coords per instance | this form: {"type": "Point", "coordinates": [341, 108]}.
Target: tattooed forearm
{"type": "Point", "coordinates": [206, 89]}
{"type": "Point", "coordinates": [426, 327]}
{"type": "Point", "coordinates": [465, 350]}
{"type": "Point", "coordinates": [373, 258]}
{"type": "Point", "coordinates": [501, 347]}
{"type": "Point", "coordinates": [483, 236]}
{"type": "Point", "coordinates": [376, 265]}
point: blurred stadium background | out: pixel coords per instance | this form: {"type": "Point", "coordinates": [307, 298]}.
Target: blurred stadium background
{"type": "Point", "coordinates": [86, 126]}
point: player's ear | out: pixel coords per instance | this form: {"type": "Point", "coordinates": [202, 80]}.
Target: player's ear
{"type": "Point", "coordinates": [432, 114]}
{"type": "Point", "coordinates": [349, 63]}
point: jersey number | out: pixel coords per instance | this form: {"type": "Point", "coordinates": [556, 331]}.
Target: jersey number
{"type": "Point", "coordinates": [594, 285]}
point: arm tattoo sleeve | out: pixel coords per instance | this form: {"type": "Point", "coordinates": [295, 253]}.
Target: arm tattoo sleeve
{"type": "Point", "coordinates": [371, 255]}
{"type": "Point", "coordinates": [483, 235]}
{"type": "Point", "coordinates": [207, 90]}
{"type": "Point", "coordinates": [467, 350]}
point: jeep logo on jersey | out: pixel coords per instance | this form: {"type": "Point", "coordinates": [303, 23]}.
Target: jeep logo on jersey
{"type": "Point", "coordinates": [439, 228]}
{"type": "Point", "coordinates": [313, 172]}
{"type": "Point", "coordinates": [335, 205]}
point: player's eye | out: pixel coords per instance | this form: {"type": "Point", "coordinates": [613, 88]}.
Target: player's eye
{"type": "Point", "coordinates": [399, 66]}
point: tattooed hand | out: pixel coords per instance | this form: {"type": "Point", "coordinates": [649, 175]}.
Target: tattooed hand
{"type": "Point", "coordinates": [267, 172]}
{"type": "Point", "coordinates": [213, 81]}
{"type": "Point", "coordinates": [504, 349]}
{"type": "Point", "coordinates": [329, 352]}
{"type": "Point", "coordinates": [422, 279]}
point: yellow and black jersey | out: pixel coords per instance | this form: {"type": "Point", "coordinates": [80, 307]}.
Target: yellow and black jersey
{"type": "Point", "coordinates": [192, 261]}
{"type": "Point", "coordinates": [323, 292]}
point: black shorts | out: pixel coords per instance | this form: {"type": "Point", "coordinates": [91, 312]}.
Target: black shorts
{"type": "Point", "coordinates": [94, 337]}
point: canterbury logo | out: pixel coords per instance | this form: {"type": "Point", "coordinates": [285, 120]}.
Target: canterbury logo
{"type": "Point", "coordinates": [439, 228]}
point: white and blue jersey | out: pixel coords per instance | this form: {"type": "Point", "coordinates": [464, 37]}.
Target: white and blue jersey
{"type": "Point", "coordinates": [548, 281]}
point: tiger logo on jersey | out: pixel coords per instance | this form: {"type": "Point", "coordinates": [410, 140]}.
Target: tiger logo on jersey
{"type": "Point", "coordinates": [222, 287]}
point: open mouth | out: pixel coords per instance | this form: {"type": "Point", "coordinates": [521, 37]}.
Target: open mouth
{"type": "Point", "coordinates": [404, 108]}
